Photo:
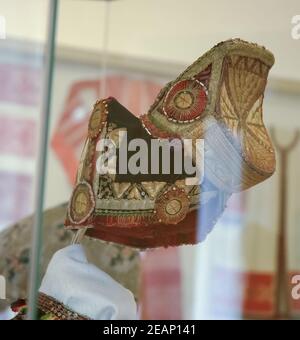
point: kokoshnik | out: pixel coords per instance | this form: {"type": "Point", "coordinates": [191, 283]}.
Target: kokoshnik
{"type": "Point", "coordinates": [218, 100]}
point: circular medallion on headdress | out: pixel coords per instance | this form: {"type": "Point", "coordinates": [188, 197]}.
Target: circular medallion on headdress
{"type": "Point", "coordinates": [172, 206]}
{"type": "Point", "coordinates": [82, 203]}
{"type": "Point", "coordinates": [98, 119]}
{"type": "Point", "coordinates": [185, 101]}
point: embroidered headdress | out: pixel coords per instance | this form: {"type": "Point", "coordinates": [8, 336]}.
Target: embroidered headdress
{"type": "Point", "coordinates": [217, 99]}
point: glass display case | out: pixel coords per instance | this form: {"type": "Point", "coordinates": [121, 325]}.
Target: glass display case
{"type": "Point", "coordinates": [62, 57]}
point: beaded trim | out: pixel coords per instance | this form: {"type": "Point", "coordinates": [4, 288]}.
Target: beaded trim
{"type": "Point", "coordinates": [154, 131]}
{"type": "Point", "coordinates": [98, 118]}
{"type": "Point", "coordinates": [166, 106]}
{"type": "Point", "coordinates": [48, 304]}
{"type": "Point", "coordinates": [172, 206]}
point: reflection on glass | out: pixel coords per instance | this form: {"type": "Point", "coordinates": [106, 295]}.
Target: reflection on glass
{"type": "Point", "coordinates": [21, 86]}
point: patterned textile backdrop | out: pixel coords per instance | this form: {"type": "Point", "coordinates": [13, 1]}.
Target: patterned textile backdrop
{"type": "Point", "coordinates": [122, 263]}
{"type": "Point", "coordinates": [20, 93]}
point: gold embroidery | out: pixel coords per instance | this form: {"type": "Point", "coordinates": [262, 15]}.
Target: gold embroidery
{"type": "Point", "coordinates": [153, 188]}
{"type": "Point", "coordinates": [47, 304]}
{"type": "Point", "coordinates": [82, 203]}
{"type": "Point", "coordinates": [172, 206]}
{"type": "Point", "coordinates": [240, 107]}
{"type": "Point", "coordinates": [98, 118]}
{"type": "Point", "coordinates": [120, 189]}
{"type": "Point", "coordinates": [134, 194]}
